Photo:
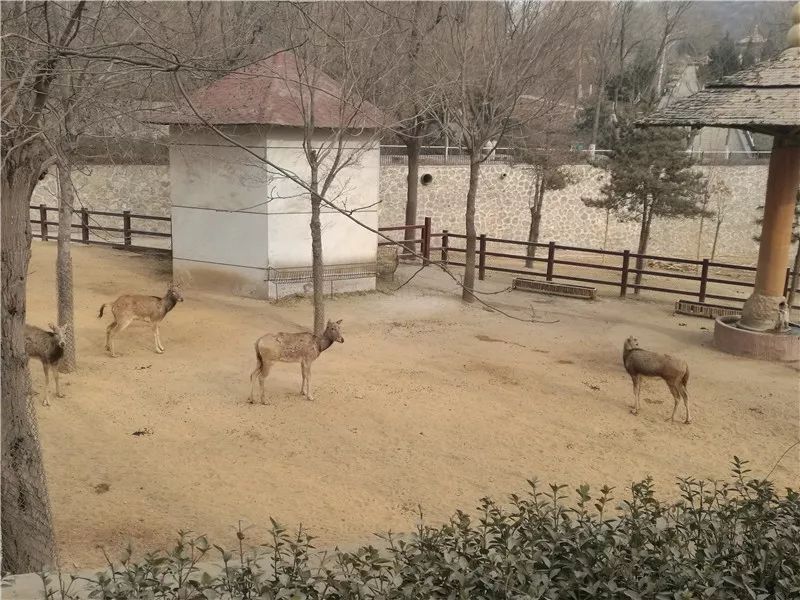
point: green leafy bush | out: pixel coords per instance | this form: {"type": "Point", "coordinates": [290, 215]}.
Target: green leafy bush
{"type": "Point", "coordinates": [735, 539]}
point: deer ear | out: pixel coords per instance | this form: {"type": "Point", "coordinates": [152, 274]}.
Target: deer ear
{"type": "Point", "coordinates": [51, 326]}
{"type": "Point", "coordinates": [339, 322]}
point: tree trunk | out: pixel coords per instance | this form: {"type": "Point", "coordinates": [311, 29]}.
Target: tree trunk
{"type": "Point", "coordinates": [66, 312]}
{"type": "Point", "coordinates": [317, 264]}
{"type": "Point", "coordinates": [27, 533]}
{"type": "Point", "coordinates": [644, 235]}
{"type": "Point", "coordinates": [469, 257]}
{"type": "Point", "coordinates": [716, 236]}
{"type": "Point", "coordinates": [600, 92]}
{"type": "Point", "coordinates": [700, 233]}
{"type": "Point", "coordinates": [605, 233]}
{"type": "Point", "coordinates": [794, 279]}
{"type": "Point", "coordinates": [413, 146]}
{"type": "Point", "coordinates": [533, 231]}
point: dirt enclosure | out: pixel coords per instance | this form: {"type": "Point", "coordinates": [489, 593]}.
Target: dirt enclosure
{"type": "Point", "coordinates": [428, 402]}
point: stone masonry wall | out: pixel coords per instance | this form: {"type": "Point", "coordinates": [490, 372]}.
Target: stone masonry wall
{"type": "Point", "coordinates": [502, 205]}
{"type": "Point", "coordinates": [502, 210]}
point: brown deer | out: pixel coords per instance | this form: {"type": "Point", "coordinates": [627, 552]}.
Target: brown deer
{"type": "Point", "coordinates": [132, 307]}
{"type": "Point", "coordinates": [292, 347]}
{"type": "Point", "coordinates": [48, 347]}
{"type": "Point", "coordinates": [674, 372]}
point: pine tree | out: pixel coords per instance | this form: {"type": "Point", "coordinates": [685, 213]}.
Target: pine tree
{"type": "Point", "coordinates": [651, 175]}
{"type": "Point", "coordinates": [723, 59]}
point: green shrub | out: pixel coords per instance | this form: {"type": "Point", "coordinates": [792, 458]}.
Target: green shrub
{"type": "Point", "coordinates": [736, 539]}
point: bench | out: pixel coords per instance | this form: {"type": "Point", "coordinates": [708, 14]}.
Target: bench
{"type": "Point", "coordinates": [568, 290]}
{"type": "Point", "coordinates": [702, 309]}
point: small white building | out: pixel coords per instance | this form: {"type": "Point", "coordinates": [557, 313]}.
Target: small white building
{"type": "Point", "coordinates": [242, 227]}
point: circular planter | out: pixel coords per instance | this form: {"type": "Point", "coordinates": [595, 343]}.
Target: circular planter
{"type": "Point", "coordinates": [780, 347]}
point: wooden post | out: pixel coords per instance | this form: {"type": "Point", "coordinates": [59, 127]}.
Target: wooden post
{"type": "Point", "coordinates": [786, 284]}
{"type": "Point", "coordinates": [444, 246]}
{"type": "Point", "coordinates": [481, 256]}
{"type": "Point", "coordinates": [84, 226]}
{"type": "Point", "coordinates": [703, 281]}
{"type": "Point", "coordinates": [426, 241]}
{"type": "Point", "coordinates": [43, 221]}
{"type": "Point", "coordinates": [623, 282]}
{"type": "Point", "coordinates": [126, 227]}
{"type": "Point", "coordinates": [551, 255]}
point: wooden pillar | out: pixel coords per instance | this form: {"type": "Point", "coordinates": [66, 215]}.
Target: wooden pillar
{"type": "Point", "coordinates": [760, 312]}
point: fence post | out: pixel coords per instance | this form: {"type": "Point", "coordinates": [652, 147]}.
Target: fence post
{"type": "Point", "coordinates": [786, 282]}
{"type": "Point", "coordinates": [126, 227]}
{"type": "Point", "coordinates": [84, 226]}
{"type": "Point", "coordinates": [481, 256]}
{"type": "Point", "coordinates": [703, 280]}
{"type": "Point", "coordinates": [426, 241]}
{"type": "Point", "coordinates": [551, 255]}
{"type": "Point", "coordinates": [43, 221]}
{"type": "Point", "coordinates": [444, 246]}
{"type": "Point", "coordinates": [623, 282]}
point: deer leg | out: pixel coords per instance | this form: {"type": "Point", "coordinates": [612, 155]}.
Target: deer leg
{"type": "Point", "coordinates": [308, 382]}
{"type": "Point", "coordinates": [637, 384]}
{"type": "Point", "coordinates": [46, 401]}
{"type": "Point", "coordinates": [58, 387]}
{"type": "Point", "coordinates": [303, 378]}
{"type": "Point", "coordinates": [159, 347]}
{"type": "Point", "coordinates": [109, 333]}
{"type": "Point", "coordinates": [685, 396]}
{"type": "Point", "coordinates": [262, 375]}
{"type": "Point", "coordinates": [676, 396]}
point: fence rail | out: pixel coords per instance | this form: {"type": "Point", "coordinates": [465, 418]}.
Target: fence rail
{"type": "Point", "coordinates": [88, 227]}
{"type": "Point", "coordinates": [630, 265]}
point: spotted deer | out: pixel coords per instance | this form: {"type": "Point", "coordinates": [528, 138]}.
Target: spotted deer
{"type": "Point", "coordinates": [292, 347]}
{"type": "Point", "coordinates": [674, 372]}
{"type": "Point", "coordinates": [132, 307]}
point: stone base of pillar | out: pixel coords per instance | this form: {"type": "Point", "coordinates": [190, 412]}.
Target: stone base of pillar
{"type": "Point", "coordinates": [779, 347]}
{"type": "Point", "coordinates": [760, 313]}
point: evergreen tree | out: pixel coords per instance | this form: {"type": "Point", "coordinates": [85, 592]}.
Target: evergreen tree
{"type": "Point", "coordinates": [651, 175]}
{"type": "Point", "coordinates": [723, 59]}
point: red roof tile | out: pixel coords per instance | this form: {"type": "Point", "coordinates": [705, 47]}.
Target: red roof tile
{"type": "Point", "coordinates": [271, 92]}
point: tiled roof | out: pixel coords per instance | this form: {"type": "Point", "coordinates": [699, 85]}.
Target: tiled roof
{"type": "Point", "coordinates": [765, 97]}
{"type": "Point", "coordinates": [271, 92]}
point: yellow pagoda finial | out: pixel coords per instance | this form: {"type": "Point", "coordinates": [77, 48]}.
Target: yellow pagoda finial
{"type": "Point", "coordinates": [793, 37]}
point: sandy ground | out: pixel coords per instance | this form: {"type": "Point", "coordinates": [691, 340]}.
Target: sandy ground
{"type": "Point", "coordinates": [428, 402]}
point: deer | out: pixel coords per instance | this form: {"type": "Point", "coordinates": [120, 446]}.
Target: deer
{"type": "Point", "coordinates": [48, 347]}
{"type": "Point", "coordinates": [133, 307]}
{"type": "Point", "coordinates": [292, 347]}
{"type": "Point", "coordinates": [674, 372]}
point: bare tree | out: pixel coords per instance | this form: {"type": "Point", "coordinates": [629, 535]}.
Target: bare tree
{"type": "Point", "coordinates": [497, 53]}
{"type": "Point", "coordinates": [672, 16]}
{"type": "Point", "coordinates": [332, 38]}
{"type": "Point", "coordinates": [715, 190]}
{"type": "Point", "coordinates": [126, 51]}
{"type": "Point", "coordinates": [543, 151]}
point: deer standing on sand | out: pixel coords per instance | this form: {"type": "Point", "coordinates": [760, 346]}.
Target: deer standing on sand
{"type": "Point", "coordinates": [48, 347]}
{"type": "Point", "coordinates": [150, 309]}
{"type": "Point", "coordinates": [292, 347]}
{"type": "Point", "coordinates": [674, 372]}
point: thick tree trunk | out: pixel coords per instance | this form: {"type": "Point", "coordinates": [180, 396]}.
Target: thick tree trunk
{"type": "Point", "coordinates": [66, 312]}
{"type": "Point", "coordinates": [27, 534]}
{"type": "Point", "coordinates": [533, 233]}
{"type": "Point", "coordinates": [317, 263]}
{"type": "Point", "coordinates": [413, 145]}
{"type": "Point", "coordinates": [644, 235]}
{"type": "Point", "coordinates": [469, 257]}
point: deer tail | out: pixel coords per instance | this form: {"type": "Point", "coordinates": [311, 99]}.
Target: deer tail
{"type": "Point", "coordinates": [100, 315]}
{"type": "Point", "coordinates": [685, 378]}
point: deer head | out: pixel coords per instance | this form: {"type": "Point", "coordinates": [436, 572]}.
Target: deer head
{"type": "Point", "coordinates": [333, 331]}
{"type": "Point", "coordinates": [60, 333]}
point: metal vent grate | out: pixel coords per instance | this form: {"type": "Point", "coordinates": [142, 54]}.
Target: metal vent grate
{"type": "Point", "coordinates": [330, 273]}
{"type": "Point", "coordinates": [555, 289]}
{"type": "Point", "coordinates": [709, 311]}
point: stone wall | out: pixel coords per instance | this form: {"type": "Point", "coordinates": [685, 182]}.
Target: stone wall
{"type": "Point", "coordinates": [502, 205]}
{"type": "Point", "coordinates": [502, 210]}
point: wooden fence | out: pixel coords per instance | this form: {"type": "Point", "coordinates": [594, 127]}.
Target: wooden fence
{"type": "Point", "coordinates": [89, 224]}
{"type": "Point", "coordinates": [621, 276]}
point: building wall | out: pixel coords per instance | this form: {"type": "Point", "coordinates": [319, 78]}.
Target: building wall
{"type": "Point", "coordinates": [502, 210]}
{"type": "Point", "coordinates": [244, 227]}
